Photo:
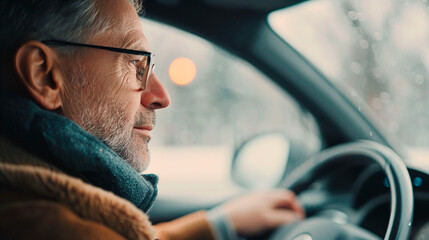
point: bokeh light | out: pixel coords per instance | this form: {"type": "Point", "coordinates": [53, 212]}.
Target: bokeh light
{"type": "Point", "coordinates": [182, 71]}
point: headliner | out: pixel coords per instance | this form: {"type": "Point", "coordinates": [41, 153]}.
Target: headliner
{"type": "Point", "coordinates": [253, 5]}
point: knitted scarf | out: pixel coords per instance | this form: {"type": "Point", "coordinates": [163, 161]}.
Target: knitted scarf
{"type": "Point", "coordinates": [69, 147]}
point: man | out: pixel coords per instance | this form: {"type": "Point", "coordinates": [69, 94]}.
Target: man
{"type": "Point", "coordinates": [78, 102]}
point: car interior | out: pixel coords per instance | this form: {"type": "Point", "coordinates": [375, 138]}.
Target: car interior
{"type": "Point", "coordinates": [358, 183]}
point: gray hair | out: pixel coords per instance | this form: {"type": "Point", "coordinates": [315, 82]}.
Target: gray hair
{"type": "Point", "coordinates": [69, 20]}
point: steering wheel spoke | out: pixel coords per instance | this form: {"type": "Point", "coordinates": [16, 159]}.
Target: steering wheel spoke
{"type": "Point", "coordinates": [401, 193]}
{"type": "Point", "coordinates": [318, 228]}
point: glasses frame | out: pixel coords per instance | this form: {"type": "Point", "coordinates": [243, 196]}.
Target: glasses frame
{"type": "Point", "coordinates": [150, 56]}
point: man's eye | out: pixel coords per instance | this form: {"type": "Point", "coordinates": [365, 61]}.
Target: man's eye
{"type": "Point", "coordinates": [135, 62]}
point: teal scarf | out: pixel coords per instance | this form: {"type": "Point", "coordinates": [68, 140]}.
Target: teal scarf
{"type": "Point", "coordinates": [74, 150]}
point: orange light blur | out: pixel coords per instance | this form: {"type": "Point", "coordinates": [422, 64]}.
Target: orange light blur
{"type": "Point", "coordinates": [182, 71]}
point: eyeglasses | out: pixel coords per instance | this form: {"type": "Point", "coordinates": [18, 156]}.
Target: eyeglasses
{"type": "Point", "coordinates": [144, 67]}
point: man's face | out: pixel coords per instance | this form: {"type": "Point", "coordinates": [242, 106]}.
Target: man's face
{"type": "Point", "coordinates": [103, 95]}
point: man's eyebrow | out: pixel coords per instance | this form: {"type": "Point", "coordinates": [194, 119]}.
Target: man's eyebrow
{"type": "Point", "coordinates": [139, 46]}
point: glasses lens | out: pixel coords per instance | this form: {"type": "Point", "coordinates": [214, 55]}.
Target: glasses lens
{"type": "Point", "coordinates": [141, 70]}
{"type": "Point", "coordinates": [148, 71]}
{"type": "Point", "coordinates": [144, 69]}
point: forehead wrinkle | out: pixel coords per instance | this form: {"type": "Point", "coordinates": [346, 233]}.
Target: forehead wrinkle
{"type": "Point", "coordinates": [131, 40]}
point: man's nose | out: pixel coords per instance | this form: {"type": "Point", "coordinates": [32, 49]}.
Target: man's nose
{"type": "Point", "coordinates": [155, 96]}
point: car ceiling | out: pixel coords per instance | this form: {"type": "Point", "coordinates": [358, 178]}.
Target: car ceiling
{"type": "Point", "coordinates": [253, 5]}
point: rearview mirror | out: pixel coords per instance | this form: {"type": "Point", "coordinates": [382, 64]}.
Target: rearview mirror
{"type": "Point", "coordinates": [261, 161]}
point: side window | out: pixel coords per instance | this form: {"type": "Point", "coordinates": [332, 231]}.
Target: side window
{"type": "Point", "coordinates": [218, 102]}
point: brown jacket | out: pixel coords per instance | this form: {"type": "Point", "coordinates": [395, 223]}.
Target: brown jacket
{"type": "Point", "coordinates": [39, 201]}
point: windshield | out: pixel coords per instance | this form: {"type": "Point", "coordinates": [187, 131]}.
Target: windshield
{"type": "Point", "coordinates": [377, 51]}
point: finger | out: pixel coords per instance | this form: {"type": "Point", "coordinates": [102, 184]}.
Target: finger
{"type": "Point", "coordinates": [284, 198]}
{"type": "Point", "coordinates": [287, 199]}
{"type": "Point", "coordinates": [280, 217]}
{"type": "Point", "coordinates": [300, 209]}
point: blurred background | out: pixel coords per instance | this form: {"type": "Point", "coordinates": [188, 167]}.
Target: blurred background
{"type": "Point", "coordinates": [377, 52]}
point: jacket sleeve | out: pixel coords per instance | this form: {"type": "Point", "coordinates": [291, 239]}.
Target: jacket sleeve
{"type": "Point", "coordinates": [190, 227]}
{"type": "Point", "coordinates": [44, 220]}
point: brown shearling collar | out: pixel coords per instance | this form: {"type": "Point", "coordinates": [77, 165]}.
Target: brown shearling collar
{"type": "Point", "coordinates": [25, 172]}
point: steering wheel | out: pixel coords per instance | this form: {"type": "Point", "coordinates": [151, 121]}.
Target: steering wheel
{"type": "Point", "coordinates": [319, 228]}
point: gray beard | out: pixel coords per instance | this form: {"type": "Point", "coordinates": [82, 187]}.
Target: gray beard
{"type": "Point", "coordinates": [107, 121]}
{"type": "Point", "coordinates": [119, 137]}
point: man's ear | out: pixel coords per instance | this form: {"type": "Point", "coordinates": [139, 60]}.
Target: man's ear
{"type": "Point", "coordinates": [35, 66]}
